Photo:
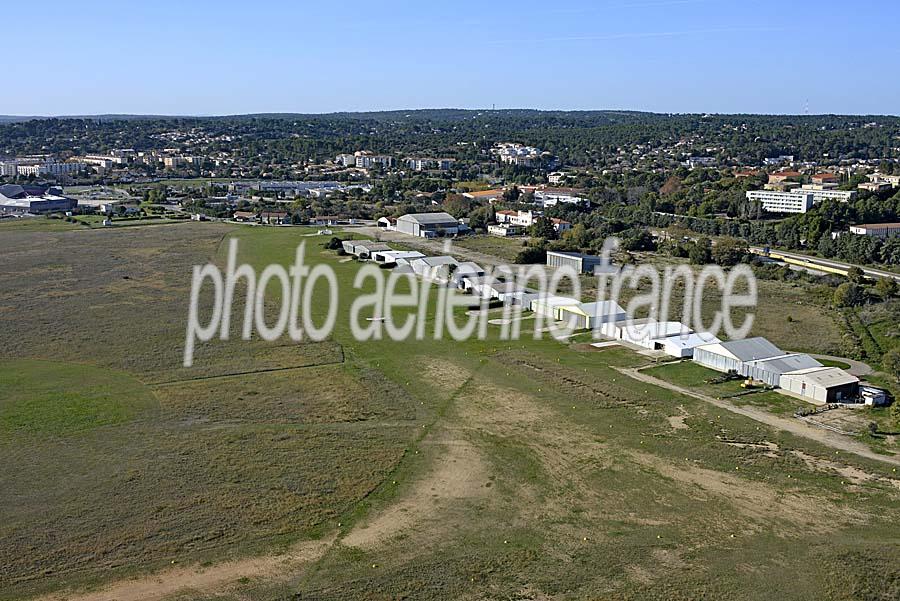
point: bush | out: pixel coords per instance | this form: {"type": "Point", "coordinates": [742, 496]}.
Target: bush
{"type": "Point", "coordinates": [891, 363]}
{"type": "Point", "coordinates": [531, 255]}
{"type": "Point", "coordinates": [849, 295]}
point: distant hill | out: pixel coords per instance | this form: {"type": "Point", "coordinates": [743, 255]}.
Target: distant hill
{"type": "Point", "coordinates": [588, 117]}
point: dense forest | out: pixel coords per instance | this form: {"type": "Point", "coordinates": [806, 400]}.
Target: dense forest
{"type": "Point", "coordinates": [577, 138]}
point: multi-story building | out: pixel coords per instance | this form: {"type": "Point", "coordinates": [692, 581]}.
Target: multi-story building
{"type": "Point", "coordinates": [825, 192]}
{"type": "Point", "coordinates": [557, 177]}
{"type": "Point", "coordinates": [695, 162]}
{"type": "Point", "coordinates": [9, 168]}
{"type": "Point", "coordinates": [893, 180]}
{"type": "Point", "coordinates": [63, 168]}
{"type": "Point", "coordinates": [782, 202]}
{"type": "Point", "coordinates": [518, 154]}
{"type": "Point", "coordinates": [367, 160]}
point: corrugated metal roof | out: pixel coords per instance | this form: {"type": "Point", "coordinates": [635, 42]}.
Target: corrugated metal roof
{"type": "Point", "coordinates": [786, 363]}
{"type": "Point", "coordinates": [430, 218]}
{"type": "Point", "coordinates": [827, 377]}
{"type": "Point", "coordinates": [751, 349]}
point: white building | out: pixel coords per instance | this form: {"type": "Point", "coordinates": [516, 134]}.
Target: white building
{"type": "Point", "coordinates": [893, 180]}
{"type": "Point", "coordinates": [520, 218]}
{"type": "Point", "coordinates": [876, 230]}
{"type": "Point", "coordinates": [696, 162]}
{"type": "Point", "coordinates": [557, 177]}
{"type": "Point", "coordinates": [587, 316]}
{"type": "Point", "coordinates": [823, 192]}
{"type": "Point", "coordinates": [505, 230]}
{"type": "Point", "coordinates": [367, 160]}
{"type": "Point", "coordinates": [428, 225]}
{"type": "Point", "coordinates": [821, 385]}
{"type": "Point", "coordinates": [550, 198]}
{"type": "Point", "coordinates": [436, 269]}
{"type": "Point", "coordinates": [782, 202]}
{"type": "Point", "coordinates": [517, 154]}
{"type": "Point", "coordinates": [549, 305]}
{"type": "Point", "coordinates": [671, 337]}
{"type": "Point", "coordinates": [396, 256]}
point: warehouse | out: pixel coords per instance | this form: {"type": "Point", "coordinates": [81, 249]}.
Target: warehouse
{"type": "Point", "coordinates": [671, 337]}
{"type": "Point", "coordinates": [548, 305]}
{"type": "Point", "coordinates": [466, 270]}
{"type": "Point", "coordinates": [363, 249]}
{"type": "Point", "coordinates": [581, 263]}
{"type": "Point", "coordinates": [387, 257]}
{"type": "Point", "coordinates": [33, 200]}
{"type": "Point", "coordinates": [428, 225]}
{"type": "Point", "coordinates": [436, 269]}
{"type": "Point", "coordinates": [821, 385]}
{"type": "Point", "coordinates": [730, 356]}
{"type": "Point", "coordinates": [587, 316]}
{"type": "Point", "coordinates": [498, 290]}
{"type": "Point", "coordinates": [769, 371]}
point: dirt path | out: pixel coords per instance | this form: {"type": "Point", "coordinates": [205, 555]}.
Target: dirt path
{"type": "Point", "coordinates": [160, 585]}
{"type": "Point", "coordinates": [835, 441]}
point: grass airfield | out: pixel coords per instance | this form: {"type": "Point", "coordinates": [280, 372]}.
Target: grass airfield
{"type": "Point", "coordinates": [421, 470]}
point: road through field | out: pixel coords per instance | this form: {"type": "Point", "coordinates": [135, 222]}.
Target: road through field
{"type": "Point", "coordinates": [831, 439]}
{"type": "Point", "coordinates": [160, 585]}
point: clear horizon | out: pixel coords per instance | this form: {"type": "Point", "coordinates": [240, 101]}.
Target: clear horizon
{"type": "Point", "coordinates": [273, 56]}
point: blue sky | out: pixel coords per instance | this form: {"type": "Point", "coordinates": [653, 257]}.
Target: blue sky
{"type": "Point", "coordinates": [228, 57]}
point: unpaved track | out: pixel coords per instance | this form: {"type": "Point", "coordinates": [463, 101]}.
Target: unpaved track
{"type": "Point", "coordinates": [160, 585]}
{"type": "Point", "coordinates": [835, 441]}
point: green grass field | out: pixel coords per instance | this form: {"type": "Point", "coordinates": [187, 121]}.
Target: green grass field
{"type": "Point", "coordinates": [426, 469]}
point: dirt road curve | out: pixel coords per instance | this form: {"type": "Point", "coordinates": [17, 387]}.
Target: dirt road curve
{"type": "Point", "coordinates": [160, 585]}
{"type": "Point", "coordinates": [857, 368]}
{"type": "Point", "coordinates": [833, 440]}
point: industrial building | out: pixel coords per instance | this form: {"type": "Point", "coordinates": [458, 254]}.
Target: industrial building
{"type": "Point", "coordinates": [428, 225]}
{"type": "Point", "coordinates": [387, 257]}
{"type": "Point", "coordinates": [730, 356]}
{"type": "Point", "coordinates": [769, 371]}
{"type": "Point", "coordinates": [671, 337]}
{"type": "Point", "coordinates": [821, 385]}
{"type": "Point", "coordinates": [587, 316]}
{"type": "Point", "coordinates": [364, 249]}
{"type": "Point", "coordinates": [548, 305]}
{"type": "Point", "coordinates": [876, 230]}
{"type": "Point", "coordinates": [796, 373]}
{"type": "Point", "coordinates": [581, 263]}
{"type": "Point", "coordinates": [437, 269]}
{"type": "Point", "coordinates": [33, 200]}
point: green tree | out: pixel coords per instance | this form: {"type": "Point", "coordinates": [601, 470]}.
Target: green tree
{"type": "Point", "coordinates": [543, 228]}
{"type": "Point", "coordinates": [700, 252]}
{"type": "Point", "coordinates": [856, 275]}
{"type": "Point", "coordinates": [730, 251]}
{"type": "Point", "coordinates": [849, 294]}
{"type": "Point", "coordinates": [886, 287]}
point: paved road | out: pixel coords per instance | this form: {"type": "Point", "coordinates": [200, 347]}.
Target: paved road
{"type": "Point", "coordinates": [812, 261]}
{"type": "Point", "coordinates": [831, 439]}
{"type": "Point", "coordinates": [857, 368]}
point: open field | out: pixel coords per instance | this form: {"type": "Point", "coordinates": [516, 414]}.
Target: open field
{"type": "Point", "coordinates": [504, 249]}
{"type": "Point", "coordinates": [422, 470]}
